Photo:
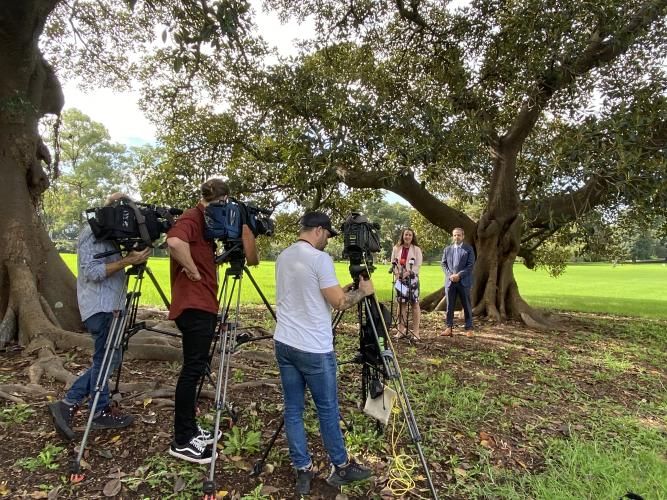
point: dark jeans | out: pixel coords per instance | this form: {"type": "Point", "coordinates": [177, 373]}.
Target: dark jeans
{"type": "Point", "coordinates": [452, 292]}
{"type": "Point", "coordinates": [197, 328]}
{"type": "Point", "coordinates": [298, 370]}
{"type": "Point", "coordinates": [98, 325]}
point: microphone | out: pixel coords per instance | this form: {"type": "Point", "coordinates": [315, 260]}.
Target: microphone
{"type": "Point", "coordinates": [175, 211]}
{"type": "Point", "coordinates": [412, 262]}
{"type": "Point", "coordinates": [394, 263]}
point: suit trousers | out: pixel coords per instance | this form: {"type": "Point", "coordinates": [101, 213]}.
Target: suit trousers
{"type": "Point", "coordinates": [454, 290]}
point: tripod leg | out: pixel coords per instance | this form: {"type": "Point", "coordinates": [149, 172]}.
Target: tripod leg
{"type": "Point", "coordinates": [113, 344]}
{"type": "Point", "coordinates": [226, 347]}
{"type": "Point", "coordinates": [164, 298]}
{"type": "Point", "coordinates": [259, 464]}
{"type": "Point", "coordinates": [259, 291]}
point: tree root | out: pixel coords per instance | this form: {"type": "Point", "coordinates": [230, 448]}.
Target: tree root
{"type": "Point", "coordinates": [11, 398]}
{"type": "Point", "coordinates": [8, 326]}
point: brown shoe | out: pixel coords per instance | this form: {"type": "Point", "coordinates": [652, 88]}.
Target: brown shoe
{"type": "Point", "coordinates": [470, 333]}
{"type": "Point", "coordinates": [448, 332]}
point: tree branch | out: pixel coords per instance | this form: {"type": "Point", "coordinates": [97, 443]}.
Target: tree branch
{"type": "Point", "coordinates": [594, 55]}
{"type": "Point", "coordinates": [437, 212]}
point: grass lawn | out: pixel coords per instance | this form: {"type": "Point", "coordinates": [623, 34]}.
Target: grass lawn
{"type": "Point", "coordinates": [628, 290]}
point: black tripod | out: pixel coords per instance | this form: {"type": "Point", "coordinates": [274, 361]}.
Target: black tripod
{"type": "Point", "coordinates": [226, 341]}
{"type": "Point", "coordinates": [380, 367]}
{"type": "Point", "coordinates": [123, 327]}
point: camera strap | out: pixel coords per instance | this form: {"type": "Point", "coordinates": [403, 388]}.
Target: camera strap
{"type": "Point", "coordinates": [141, 222]}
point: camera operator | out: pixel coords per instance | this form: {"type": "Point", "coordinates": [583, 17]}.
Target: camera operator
{"type": "Point", "coordinates": [194, 307]}
{"type": "Point", "coordinates": [99, 284]}
{"type": "Point", "coordinates": [306, 289]}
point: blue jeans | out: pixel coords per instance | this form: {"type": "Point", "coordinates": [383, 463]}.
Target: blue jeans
{"type": "Point", "coordinates": [98, 325]}
{"type": "Point", "coordinates": [299, 369]}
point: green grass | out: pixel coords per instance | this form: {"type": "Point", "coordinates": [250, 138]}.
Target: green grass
{"type": "Point", "coordinates": [629, 290]}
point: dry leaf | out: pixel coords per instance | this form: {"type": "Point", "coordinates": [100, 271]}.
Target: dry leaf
{"type": "Point", "coordinates": [460, 472]}
{"type": "Point", "coordinates": [104, 453]}
{"type": "Point", "coordinates": [53, 494]}
{"type": "Point", "coordinates": [149, 418]}
{"type": "Point", "coordinates": [115, 439]}
{"type": "Point", "coordinates": [147, 401]}
{"type": "Point", "coordinates": [112, 488]}
{"type": "Point", "coordinates": [269, 490]}
{"type": "Point", "coordinates": [4, 489]}
{"type": "Point", "coordinates": [39, 494]}
{"type": "Point", "coordinates": [221, 494]}
{"type": "Point", "coordinates": [179, 484]}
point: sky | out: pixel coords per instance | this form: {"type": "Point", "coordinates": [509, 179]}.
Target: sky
{"type": "Point", "coordinates": [119, 111]}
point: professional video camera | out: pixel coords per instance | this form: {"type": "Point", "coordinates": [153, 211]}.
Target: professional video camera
{"type": "Point", "coordinates": [131, 225]}
{"type": "Point", "coordinates": [224, 221]}
{"type": "Point", "coordinates": [361, 239]}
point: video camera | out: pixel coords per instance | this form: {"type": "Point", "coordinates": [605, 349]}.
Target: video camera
{"type": "Point", "coordinates": [361, 239]}
{"type": "Point", "coordinates": [224, 221]}
{"type": "Point", "coordinates": [133, 226]}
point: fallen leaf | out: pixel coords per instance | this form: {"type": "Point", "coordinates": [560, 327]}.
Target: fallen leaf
{"type": "Point", "coordinates": [149, 418]}
{"type": "Point", "coordinates": [112, 488]}
{"type": "Point", "coordinates": [39, 494]}
{"type": "Point", "coordinates": [84, 465]}
{"type": "Point", "coordinates": [269, 490]}
{"type": "Point", "coordinates": [179, 484]}
{"type": "Point", "coordinates": [4, 489]}
{"type": "Point", "coordinates": [221, 494]}
{"type": "Point", "coordinates": [115, 439]}
{"type": "Point", "coordinates": [53, 494]}
{"type": "Point", "coordinates": [461, 472]}
{"type": "Point", "coordinates": [269, 468]}
{"type": "Point", "coordinates": [104, 453]}
{"type": "Point", "coordinates": [147, 401]}
{"type": "Point", "coordinates": [341, 496]}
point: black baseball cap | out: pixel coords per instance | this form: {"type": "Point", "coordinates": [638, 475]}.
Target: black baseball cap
{"type": "Point", "coordinates": [315, 219]}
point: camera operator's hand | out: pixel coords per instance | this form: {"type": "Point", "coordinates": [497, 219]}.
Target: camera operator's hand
{"type": "Point", "coordinates": [192, 275]}
{"type": "Point", "coordinates": [366, 286]}
{"type": "Point", "coordinates": [136, 257]}
{"type": "Point", "coordinates": [348, 287]}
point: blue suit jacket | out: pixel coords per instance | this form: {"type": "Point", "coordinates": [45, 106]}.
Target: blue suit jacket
{"type": "Point", "coordinates": [464, 267]}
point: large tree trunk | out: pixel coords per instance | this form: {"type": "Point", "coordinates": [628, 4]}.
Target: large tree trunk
{"type": "Point", "coordinates": [38, 292]}
{"type": "Point", "coordinates": [495, 293]}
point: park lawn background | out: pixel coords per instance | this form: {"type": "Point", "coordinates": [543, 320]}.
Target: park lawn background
{"type": "Point", "coordinates": [625, 289]}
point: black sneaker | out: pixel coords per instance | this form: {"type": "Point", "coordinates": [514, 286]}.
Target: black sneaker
{"type": "Point", "coordinates": [194, 451]}
{"type": "Point", "coordinates": [110, 419]}
{"type": "Point", "coordinates": [63, 415]}
{"type": "Point", "coordinates": [303, 479]}
{"type": "Point", "coordinates": [206, 436]}
{"type": "Point", "coordinates": [349, 473]}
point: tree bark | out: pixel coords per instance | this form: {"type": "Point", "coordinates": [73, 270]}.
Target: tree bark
{"type": "Point", "coordinates": [31, 271]}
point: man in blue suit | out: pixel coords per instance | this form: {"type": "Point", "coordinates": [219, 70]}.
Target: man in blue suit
{"type": "Point", "coordinates": [458, 260]}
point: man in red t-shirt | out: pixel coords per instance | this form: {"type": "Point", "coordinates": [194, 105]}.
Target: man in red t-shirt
{"type": "Point", "coordinates": [194, 307]}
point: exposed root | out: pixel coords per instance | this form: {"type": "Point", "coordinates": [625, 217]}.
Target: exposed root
{"type": "Point", "coordinates": [9, 397]}
{"type": "Point", "coordinates": [33, 390]}
{"type": "Point", "coordinates": [51, 365]}
{"type": "Point", "coordinates": [8, 326]}
{"type": "Point", "coordinates": [256, 383]}
{"type": "Point", "coordinates": [49, 312]}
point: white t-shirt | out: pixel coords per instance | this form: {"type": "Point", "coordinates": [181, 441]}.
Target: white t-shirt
{"type": "Point", "coordinates": [304, 315]}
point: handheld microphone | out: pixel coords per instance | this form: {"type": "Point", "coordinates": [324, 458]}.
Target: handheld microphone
{"type": "Point", "coordinates": [412, 262]}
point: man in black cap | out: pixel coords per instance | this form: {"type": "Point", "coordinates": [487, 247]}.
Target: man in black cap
{"type": "Point", "coordinates": [306, 290]}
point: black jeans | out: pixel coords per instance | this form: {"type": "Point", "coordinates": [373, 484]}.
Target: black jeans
{"type": "Point", "coordinates": [197, 328]}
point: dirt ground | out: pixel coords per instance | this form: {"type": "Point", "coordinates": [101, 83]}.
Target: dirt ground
{"type": "Point", "coordinates": [133, 463]}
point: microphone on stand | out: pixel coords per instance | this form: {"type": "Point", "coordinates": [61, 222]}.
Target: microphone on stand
{"type": "Point", "coordinates": [394, 263]}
